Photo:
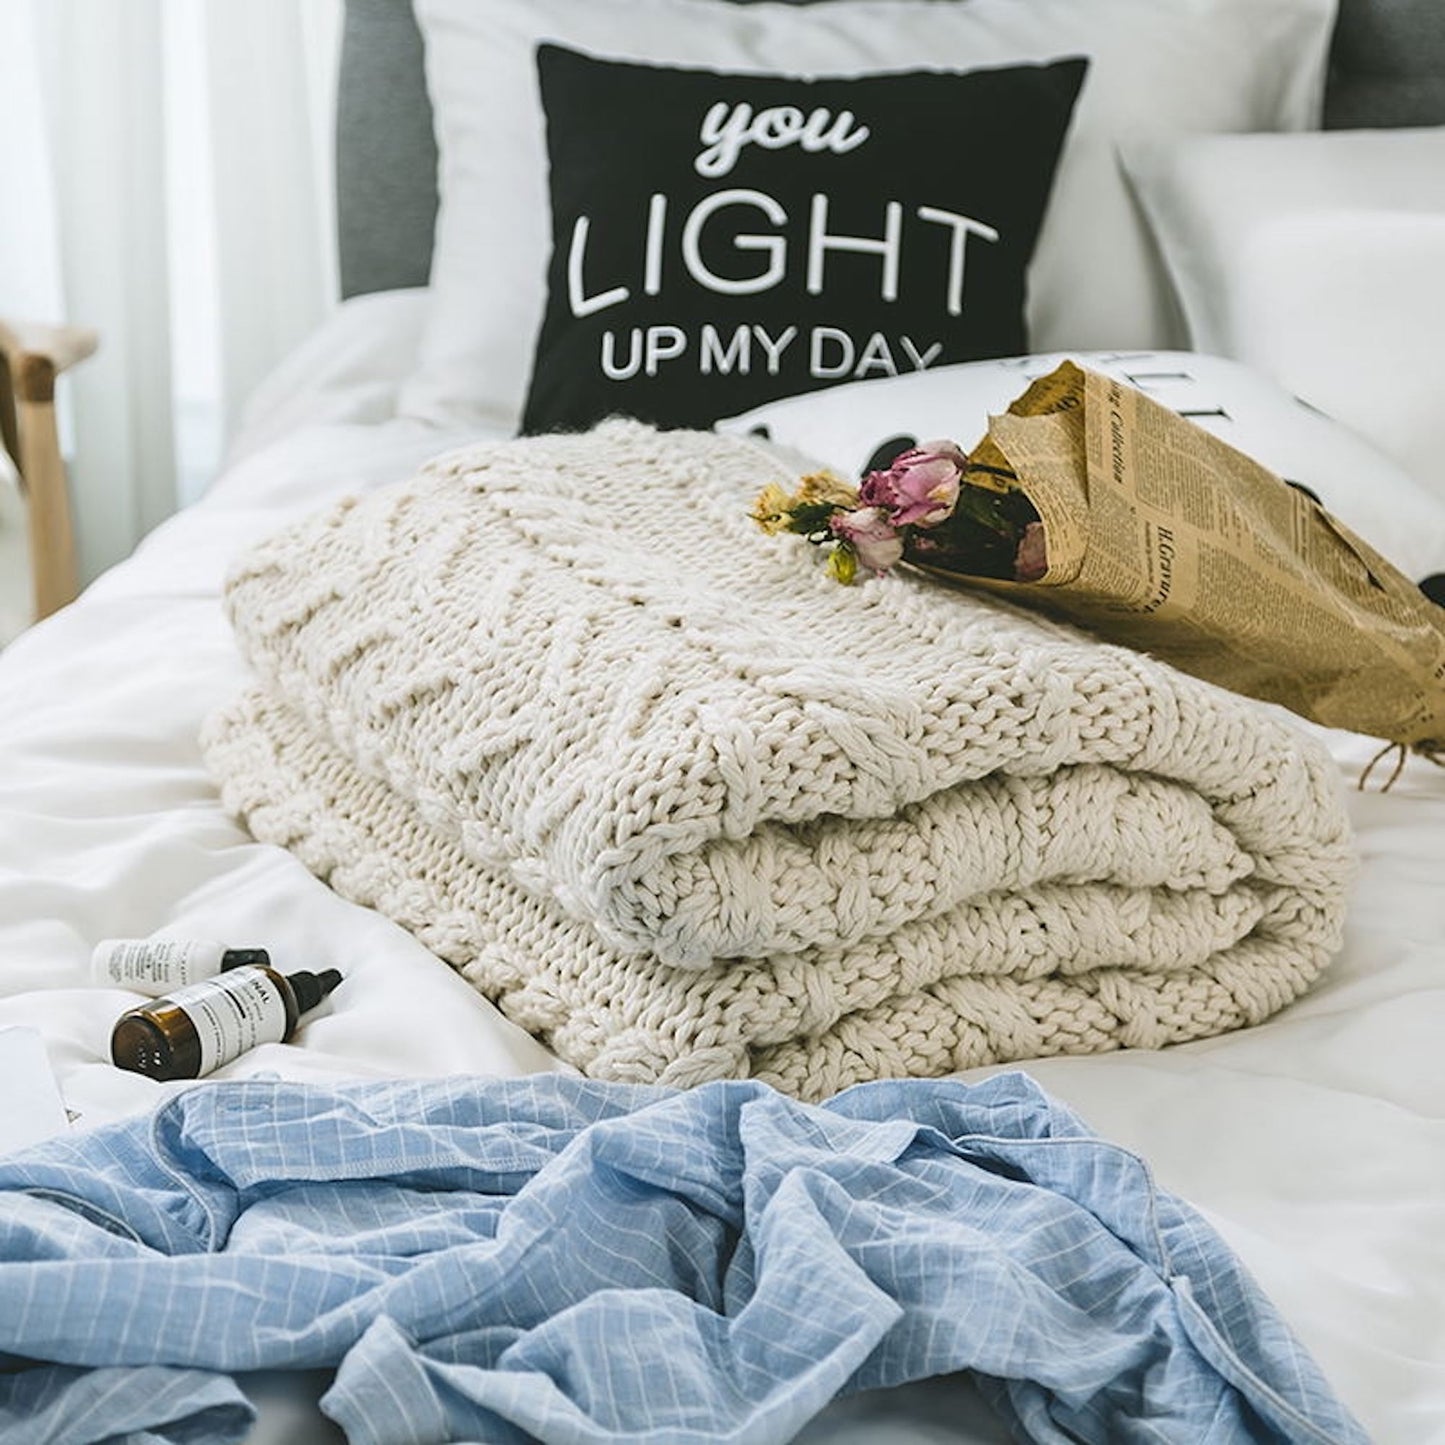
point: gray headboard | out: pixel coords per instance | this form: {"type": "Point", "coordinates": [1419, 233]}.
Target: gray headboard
{"type": "Point", "coordinates": [1387, 69]}
{"type": "Point", "coordinates": [386, 156]}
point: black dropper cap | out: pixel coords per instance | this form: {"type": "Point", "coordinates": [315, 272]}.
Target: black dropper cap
{"type": "Point", "coordinates": [242, 957]}
{"type": "Point", "coordinates": [311, 988]}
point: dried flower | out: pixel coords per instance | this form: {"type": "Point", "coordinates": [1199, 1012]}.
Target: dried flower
{"type": "Point", "coordinates": [924, 507]}
{"type": "Point", "coordinates": [920, 489]}
{"type": "Point", "coordinates": [870, 535]}
{"type": "Point", "coordinates": [843, 564]}
{"type": "Point", "coordinates": [771, 509]}
{"type": "Point", "coordinates": [826, 488]}
{"type": "Point", "coordinates": [1031, 560]}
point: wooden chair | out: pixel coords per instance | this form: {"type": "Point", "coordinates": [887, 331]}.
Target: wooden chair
{"type": "Point", "coordinates": [31, 357]}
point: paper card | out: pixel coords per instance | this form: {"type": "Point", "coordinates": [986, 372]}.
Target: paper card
{"type": "Point", "coordinates": [33, 1108]}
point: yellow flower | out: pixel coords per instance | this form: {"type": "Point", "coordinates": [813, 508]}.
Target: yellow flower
{"type": "Point", "coordinates": [771, 509]}
{"type": "Point", "coordinates": [843, 564]}
{"type": "Point", "coordinates": [825, 487]}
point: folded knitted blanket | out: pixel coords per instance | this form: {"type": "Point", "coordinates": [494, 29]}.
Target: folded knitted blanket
{"type": "Point", "coordinates": [688, 809]}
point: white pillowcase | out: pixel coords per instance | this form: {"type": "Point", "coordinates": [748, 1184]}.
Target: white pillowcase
{"type": "Point", "coordinates": [846, 426]}
{"type": "Point", "coordinates": [1157, 66]}
{"type": "Point", "coordinates": [1320, 260]}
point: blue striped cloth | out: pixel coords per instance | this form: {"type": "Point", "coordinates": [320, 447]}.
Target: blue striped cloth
{"type": "Point", "coordinates": [561, 1260]}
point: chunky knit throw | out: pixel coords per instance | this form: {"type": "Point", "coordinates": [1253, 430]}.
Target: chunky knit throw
{"type": "Point", "coordinates": [686, 808]}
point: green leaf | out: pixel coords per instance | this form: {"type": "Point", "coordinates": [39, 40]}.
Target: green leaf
{"type": "Point", "coordinates": [810, 517]}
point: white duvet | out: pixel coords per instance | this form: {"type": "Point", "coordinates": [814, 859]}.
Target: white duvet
{"type": "Point", "coordinates": [1315, 1143]}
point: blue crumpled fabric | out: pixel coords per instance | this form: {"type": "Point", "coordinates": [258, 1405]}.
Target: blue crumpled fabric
{"type": "Point", "coordinates": [560, 1260]}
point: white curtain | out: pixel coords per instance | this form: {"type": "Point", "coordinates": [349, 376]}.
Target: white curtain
{"type": "Point", "coordinates": [174, 193]}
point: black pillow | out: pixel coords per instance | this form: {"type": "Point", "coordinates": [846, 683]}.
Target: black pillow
{"type": "Point", "coordinates": [719, 241]}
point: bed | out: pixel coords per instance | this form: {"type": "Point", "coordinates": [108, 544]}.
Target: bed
{"type": "Point", "coordinates": [1314, 1141]}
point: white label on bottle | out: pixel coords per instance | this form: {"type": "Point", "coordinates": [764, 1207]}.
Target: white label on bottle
{"type": "Point", "coordinates": [232, 1013]}
{"type": "Point", "coordinates": [156, 965]}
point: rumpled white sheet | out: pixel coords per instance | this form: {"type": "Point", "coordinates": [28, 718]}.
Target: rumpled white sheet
{"type": "Point", "coordinates": [1315, 1143]}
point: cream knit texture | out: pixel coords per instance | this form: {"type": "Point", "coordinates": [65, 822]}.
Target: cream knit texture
{"type": "Point", "coordinates": [687, 809]}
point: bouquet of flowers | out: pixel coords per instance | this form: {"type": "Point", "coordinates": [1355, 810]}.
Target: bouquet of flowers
{"type": "Point", "coordinates": [1094, 503]}
{"type": "Point", "coordinates": [934, 506]}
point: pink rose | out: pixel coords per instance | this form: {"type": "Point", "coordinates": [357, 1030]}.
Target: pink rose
{"type": "Point", "coordinates": [869, 532]}
{"type": "Point", "coordinates": [1032, 558]}
{"type": "Point", "coordinates": [921, 487]}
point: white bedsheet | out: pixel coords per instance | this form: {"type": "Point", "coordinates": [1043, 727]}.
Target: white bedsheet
{"type": "Point", "coordinates": [1315, 1143]}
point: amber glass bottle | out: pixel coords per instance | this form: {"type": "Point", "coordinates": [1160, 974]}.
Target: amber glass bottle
{"type": "Point", "coordinates": [200, 1027]}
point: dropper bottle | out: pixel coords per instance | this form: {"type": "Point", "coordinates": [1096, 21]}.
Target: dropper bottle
{"type": "Point", "coordinates": [196, 1029]}
{"type": "Point", "coordinates": [156, 965]}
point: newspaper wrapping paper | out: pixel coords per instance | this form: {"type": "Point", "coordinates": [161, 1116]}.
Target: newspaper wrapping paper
{"type": "Point", "coordinates": [1166, 539]}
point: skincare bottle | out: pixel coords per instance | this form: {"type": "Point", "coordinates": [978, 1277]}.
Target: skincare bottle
{"type": "Point", "coordinates": [204, 1025]}
{"type": "Point", "coordinates": [157, 965]}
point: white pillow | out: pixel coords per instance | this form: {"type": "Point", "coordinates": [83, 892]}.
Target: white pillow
{"type": "Point", "coordinates": [346, 371]}
{"type": "Point", "coordinates": [861, 425]}
{"type": "Point", "coordinates": [1320, 260]}
{"type": "Point", "coordinates": [1155, 66]}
